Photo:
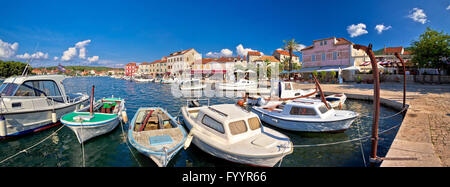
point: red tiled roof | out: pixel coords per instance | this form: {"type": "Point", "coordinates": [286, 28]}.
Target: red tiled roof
{"type": "Point", "coordinates": [341, 41]}
{"type": "Point", "coordinates": [131, 64]}
{"type": "Point", "coordinates": [254, 53]}
{"type": "Point", "coordinates": [156, 61]}
{"type": "Point", "coordinates": [306, 48]}
{"type": "Point", "coordinates": [407, 52]}
{"type": "Point", "coordinates": [208, 60]}
{"type": "Point", "coordinates": [283, 52]}
{"type": "Point", "coordinates": [393, 50]}
{"type": "Point", "coordinates": [267, 57]}
{"type": "Point", "coordinates": [180, 52]}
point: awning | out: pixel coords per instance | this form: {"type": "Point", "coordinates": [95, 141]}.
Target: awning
{"type": "Point", "coordinates": [239, 71]}
{"type": "Point", "coordinates": [284, 72]}
{"type": "Point", "coordinates": [307, 70]}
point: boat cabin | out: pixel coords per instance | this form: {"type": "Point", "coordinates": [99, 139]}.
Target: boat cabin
{"type": "Point", "coordinates": [300, 107]}
{"type": "Point", "coordinates": [229, 122]}
{"type": "Point", "coordinates": [49, 86]}
{"type": "Point", "coordinates": [285, 89]}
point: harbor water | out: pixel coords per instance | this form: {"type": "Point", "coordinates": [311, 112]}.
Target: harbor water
{"type": "Point", "coordinates": [111, 150]}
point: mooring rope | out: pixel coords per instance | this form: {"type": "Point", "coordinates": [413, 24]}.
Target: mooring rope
{"type": "Point", "coordinates": [345, 141]}
{"type": "Point", "coordinates": [361, 145]}
{"type": "Point", "coordinates": [129, 148]}
{"type": "Point", "coordinates": [386, 117]}
{"type": "Point", "coordinates": [25, 150]}
{"type": "Point", "coordinates": [82, 145]}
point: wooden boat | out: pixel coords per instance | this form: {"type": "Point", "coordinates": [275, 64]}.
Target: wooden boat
{"type": "Point", "coordinates": [34, 103]}
{"type": "Point", "coordinates": [106, 115]}
{"type": "Point", "coordinates": [156, 134]}
{"type": "Point", "coordinates": [234, 134]}
{"type": "Point", "coordinates": [306, 115]}
{"type": "Point", "coordinates": [336, 100]}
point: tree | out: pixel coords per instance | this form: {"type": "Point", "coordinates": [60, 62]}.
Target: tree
{"type": "Point", "coordinates": [290, 46]}
{"type": "Point", "coordinates": [430, 49]}
{"type": "Point", "coordinates": [11, 68]}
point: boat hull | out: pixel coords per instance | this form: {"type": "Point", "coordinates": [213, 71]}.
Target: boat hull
{"type": "Point", "coordinates": [304, 126]}
{"type": "Point", "coordinates": [253, 160]}
{"type": "Point", "coordinates": [160, 159]}
{"type": "Point", "coordinates": [28, 122]}
{"type": "Point", "coordinates": [86, 132]}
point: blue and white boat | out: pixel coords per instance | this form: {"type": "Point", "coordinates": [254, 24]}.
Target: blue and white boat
{"type": "Point", "coordinates": [156, 134]}
{"type": "Point", "coordinates": [34, 103]}
{"type": "Point", "coordinates": [305, 115]}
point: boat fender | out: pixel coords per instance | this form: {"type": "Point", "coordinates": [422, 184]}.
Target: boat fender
{"type": "Point", "coordinates": [3, 129]}
{"type": "Point", "coordinates": [81, 106]}
{"type": "Point", "coordinates": [189, 137]}
{"type": "Point", "coordinates": [54, 119]}
{"type": "Point", "coordinates": [124, 117]}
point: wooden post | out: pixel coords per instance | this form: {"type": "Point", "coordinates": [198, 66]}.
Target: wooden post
{"type": "Point", "coordinates": [91, 110]}
{"type": "Point", "coordinates": [376, 101]}
{"type": "Point", "coordinates": [322, 96]}
{"type": "Point", "coordinates": [404, 79]}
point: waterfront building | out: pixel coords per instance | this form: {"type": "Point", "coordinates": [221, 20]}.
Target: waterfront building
{"type": "Point", "coordinates": [144, 69]}
{"type": "Point", "coordinates": [253, 55]}
{"type": "Point", "coordinates": [391, 64]}
{"type": "Point", "coordinates": [333, 54]}
{"type": "Point", "coordinates": [130, 69]}
{"type": "Point", "coordinates": [180, 61]}
{"type": "Point", "coordinates": [282, 55]}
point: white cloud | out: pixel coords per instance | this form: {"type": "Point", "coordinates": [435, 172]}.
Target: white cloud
{"type": "Point", "coordinates": [223, 52]}
{"type": "Point", "coordinates": [300, 47]}
{"type": "Point", "coordinates": [69, 54]}
{"type": "Point", "coordinates": [418, 15]}
{"type": "Point", "coordinates": [82, 53]}
{"type": "Point", "coordinates": [356, 30]}
{"type": "Point", "coordinates": [38, 56]}
{"type": "Point", "coordinates": [380, 28]}
{"type": "Point", "coordinates": [448, 8]}
{"type": "Point", "coordinates": [8, 50]}
{"type": "Point", "coordinates": [55, 58]}
{"type": "Point", "coordinates": [82, 44]}
{"type": "Point", "coordinates": [93, 59]}
{"type": "Point", "coordinates": [241, 51]}
{"type": "Point", "coordinates": [79, 47]}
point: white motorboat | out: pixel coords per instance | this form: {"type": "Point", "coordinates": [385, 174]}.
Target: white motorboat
{"type": "Point", "coordinates": [336, 100]}
{"type": "Point", "coordinates": [241, 85]}
{"type": "Point", "coordinates": [281, 91]}
{"type": "Point", "coordinates": [169, 81]}
{"type": "Point", "coordinates": [34, 103]}
{"type": "Point", "coordinates": [142, 80]}
{"type": "Point", "coordinates": [229, 132]}
{"type": "Point", "coordinates": [305, 115]}
{"type": "Point", "coordinates": [191, 84]}
{"type": "Point", "coordinates": [156, 134]}
{"type": "Point", "coordinates": [106, 115]}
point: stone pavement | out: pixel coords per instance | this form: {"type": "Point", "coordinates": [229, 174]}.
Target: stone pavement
{"type": "Point", "coordinates": [423, 138]}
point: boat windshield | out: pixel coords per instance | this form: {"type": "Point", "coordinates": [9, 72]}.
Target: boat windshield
{"type": "Point", "coordinates": [45, 88]}
{"type": "Point", "coordinates": [8, 89]}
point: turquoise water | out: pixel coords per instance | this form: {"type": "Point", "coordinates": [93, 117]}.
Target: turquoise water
{"type": "Point", "coordinates": [63, 149]}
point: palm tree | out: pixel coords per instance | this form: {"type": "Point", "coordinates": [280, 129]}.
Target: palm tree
{"type": "Point", "coordinates": [290, 46]}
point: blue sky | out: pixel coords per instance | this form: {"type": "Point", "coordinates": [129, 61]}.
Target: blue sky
{"type": "Point", "coordinates": [113, 33]}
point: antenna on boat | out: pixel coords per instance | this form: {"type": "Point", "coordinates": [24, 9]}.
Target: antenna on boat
{"type": "Point", "coordinates": [91, 111]}
{"type": "Point", "coordinates": [25, 72]}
